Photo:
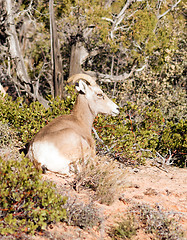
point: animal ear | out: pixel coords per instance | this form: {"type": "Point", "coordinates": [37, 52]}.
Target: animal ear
{"type": "Point", "coordinates": [81, 87]}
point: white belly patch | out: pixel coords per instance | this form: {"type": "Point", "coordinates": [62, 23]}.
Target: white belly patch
{"type": "Point", "coordinates": [49, 156]}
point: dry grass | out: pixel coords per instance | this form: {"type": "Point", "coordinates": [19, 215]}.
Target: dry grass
{"type": "Point", "coordinates": [103, 177]}
{"type": "Point", "coordinates": [161, 225]}
{"type": "Point", "coordinates": [83, 215]}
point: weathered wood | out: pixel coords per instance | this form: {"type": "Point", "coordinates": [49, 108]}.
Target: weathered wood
{"type": "Point", "coordinates": [24, 81]}
{"type": "Point", "coordinates": [77, 53]}
{"type": "Point", "coordinates": [55, 55]}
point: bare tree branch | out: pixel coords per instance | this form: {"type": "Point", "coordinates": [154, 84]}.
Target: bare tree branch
{"type": "Point", "coordinates": [120, 18]}
{"type": "Point", "coordinates": [108, 78]}
{"type": "Point", "coordinates": [15, 47]}
{"type": "Point", "coordinates": [87, 32]}
{"type": "Point", "coordinates": [108, 19]}
{"type": "Point", "coordinates": [15, 51]}
{"type": "Point", "coordinates": [170, 9]}
{"type": "Point", "coordinates": [23, 87]}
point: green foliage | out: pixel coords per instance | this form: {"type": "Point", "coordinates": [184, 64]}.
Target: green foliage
{"type": "Point", "coordinates": [141, 35]}
{"type": "Point", "coordinates": [27, 120]}
{"type": "Point", "coordinates": [173, 139]}
{"type": "Point", "coordinates": [134, 134]}
{"type": "Point", "coordinates": [27, 203]}
{"type": "Point", "coordinates": [139, 132]}
{"type": "Point", "coordinates": [124, 229]}
{"type": "Point", "coordinates": [144, 27]}
{"type": "Point", "coordinates": [8, 137]}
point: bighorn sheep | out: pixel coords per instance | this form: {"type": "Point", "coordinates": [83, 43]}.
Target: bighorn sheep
{"type": "Point", "coordinates": [68, 138]}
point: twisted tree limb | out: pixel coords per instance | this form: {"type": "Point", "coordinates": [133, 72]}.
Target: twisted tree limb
{"type": "Point", "coordinates": [24, 81]}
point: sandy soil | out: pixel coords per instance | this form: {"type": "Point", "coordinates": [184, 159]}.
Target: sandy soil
{"type": "Point", "coordinates": [146, 184]}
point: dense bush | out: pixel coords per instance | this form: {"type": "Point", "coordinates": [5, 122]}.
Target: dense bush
{"type": "Point", "coordinates": [138, 133]}
{"type": "Point", "coordinates": [27, 120]}
{"type": "Point", "coordinates": [134, 132]}
{"type": "Point", "coordinates": [7, 136]}
{"type": "Point", "coordinates": [173, 139]}
{"type": "Point", "coordinates": [27, 203]}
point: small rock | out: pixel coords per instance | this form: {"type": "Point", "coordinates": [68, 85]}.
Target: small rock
{"type": "Point", "coordinates": [138, 196]}
{"type": "Point", "coordinates": [150, 192]}
{"type": "Point", "coordinates": [124, 199]}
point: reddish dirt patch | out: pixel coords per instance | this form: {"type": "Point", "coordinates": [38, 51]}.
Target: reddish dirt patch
{"type": "Point", "coordinates": [146, 184]}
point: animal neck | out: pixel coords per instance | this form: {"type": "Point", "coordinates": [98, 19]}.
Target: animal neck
{"type": "Point", "coordinates": [83, 112]}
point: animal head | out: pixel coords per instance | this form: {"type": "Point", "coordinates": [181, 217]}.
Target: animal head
{"type": "Point", "coordinates": [97, 100]}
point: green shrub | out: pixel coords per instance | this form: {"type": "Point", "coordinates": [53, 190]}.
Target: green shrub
{"type": "Point", "coordinates": [134, 134]}
{"type": "Point", "coordinates": [125, 229]}
{"type": "Point", "coordinates": [138, 133]}
{"type": "Point", "coordinates": [27, 203]}
{"type": "Point", "coordinates": [28, 120]}
{"type": "Point", "coordinates": [173, 138]}
{"type": "Point", "coordinates": [8, 136]}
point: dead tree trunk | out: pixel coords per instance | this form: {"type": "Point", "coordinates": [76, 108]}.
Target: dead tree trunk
{"type": "Point", "coordinates": [78, 55]}
{"type": "Point", "coordinates": [23, 81]}
{"type": "Point", "coordinates": [55, 56]}
{"type": "Point", "coordinates": [75, 64]}
{"type": "Point", "coordinates": [15, 50]}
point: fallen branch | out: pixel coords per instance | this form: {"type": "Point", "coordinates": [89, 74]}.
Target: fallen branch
{"type": "Point", "coordinates": [108, 78]}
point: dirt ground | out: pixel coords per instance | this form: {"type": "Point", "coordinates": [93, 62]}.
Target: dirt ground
{"type": "Point", "coordinates": [165, 188]}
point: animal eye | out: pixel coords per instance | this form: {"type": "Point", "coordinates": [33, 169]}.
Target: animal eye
{"type": "Point", "coordinates": [100, 95]}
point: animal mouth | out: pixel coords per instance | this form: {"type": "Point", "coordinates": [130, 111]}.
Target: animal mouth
{"type": "Point", "coordinates": [115, 113]}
